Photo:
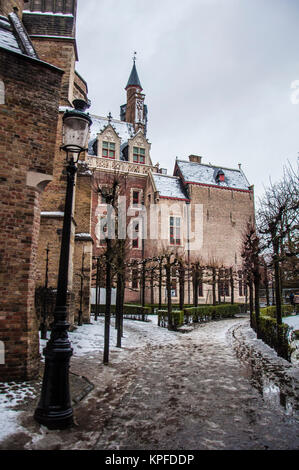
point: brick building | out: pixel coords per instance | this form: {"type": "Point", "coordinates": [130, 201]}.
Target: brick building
{"type": "Point", "coordinates": [200, 211]}
{"type": "Point", "coordinates": [29, 98]}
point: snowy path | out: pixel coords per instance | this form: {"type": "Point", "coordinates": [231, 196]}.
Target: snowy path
{"type": "Point", "coordinates": [162, 390]}
{"type": "Point", "coordinates": [196, 395]}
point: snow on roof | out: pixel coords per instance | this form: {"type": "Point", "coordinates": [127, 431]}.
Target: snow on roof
{"type": "Point", "coordinates": [169, 186]}
{"type": "Point", "coordinates": [7, 37]}
{"type": "Point", "coordinates": [205, 174]}
{"type": "Point", "coordinates": [14, 37]}
{"type": "Point", "coordinates": [29, 12]}
{"type": "Point", "coordinates": [125, 130]}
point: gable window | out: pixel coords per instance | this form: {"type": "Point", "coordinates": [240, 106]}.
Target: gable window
{"type": "Point", "coordinates": [108, 150]}
{"type": "Point", "coordinates": [138, 155]}
{"type": "Point", "coordinates": [175, 230]}
{"type": "Point", "coordinates": [221, 177]}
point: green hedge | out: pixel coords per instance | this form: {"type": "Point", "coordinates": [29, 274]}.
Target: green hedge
{"type": "Point", "coordinates": [128, 309]}
{"type": "Point", "coordinates": [211, 312]}
{"type": "Point", "coordinates": [286, 310]}
{"type": "Point", "coordinates": [176, 315]}
{"type": "Point", "coordinates": [268, 333]}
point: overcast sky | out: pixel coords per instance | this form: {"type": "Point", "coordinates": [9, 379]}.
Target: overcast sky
{"type": "Point", "coordinates": [217, 76]}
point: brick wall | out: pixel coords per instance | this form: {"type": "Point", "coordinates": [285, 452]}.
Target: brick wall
{"type": "Point", "coordinates": [49, 25]}
{"type": "Point", "coordinates": [7, 6]}
{"type": "Point", "coordinates": [61, 53]}
{"type": "Point", "coordinates": [27, 140]}
{"type": "Point", "coordinates": [62, 6]}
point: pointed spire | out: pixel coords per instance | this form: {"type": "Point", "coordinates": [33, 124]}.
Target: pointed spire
{"type": "Point", "coordinates": [134, 79]}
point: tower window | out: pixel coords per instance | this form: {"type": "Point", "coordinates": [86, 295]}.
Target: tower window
{"type": "Point", "coordinates": [109, 150]}
{"type": "Point", "coordinates": [175, 230]}
{"type": "Point", "coordinates": [138, 155]}
{"type": "Point", "coordinates": [135, 242]}
{"type": "Point", "coordinates": [136, 195]}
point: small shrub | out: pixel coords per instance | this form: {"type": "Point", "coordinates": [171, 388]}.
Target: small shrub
{"type": "Point", "coordinates": [268, 333]}
{"type": "Point", "coordinates": [286, 310]}
{"type": "Point", "coordinates": [177, 317]}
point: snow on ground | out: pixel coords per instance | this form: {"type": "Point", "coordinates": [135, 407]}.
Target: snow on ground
{"type": "Point", "coordinates": [85, 340]}
{"type": "Point", "coordinates": [89, 339]}
{"type": "Point", "coordinates": [12, 394]}
{"type": "Point", "coordinates": [292, 321]}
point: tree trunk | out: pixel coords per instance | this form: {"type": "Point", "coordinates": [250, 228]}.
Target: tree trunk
{"type": "Point", "coordinates": [257, 300]}
{"type": "Point", "coordinates": [160, 285]}
{"type": "Point", "coordinates": [182, 286]}
{"type": "Point", "coordinates": [119, 308]}
{"type": "Point", "coordinates": [232, 293]}
{"type": "Point", "coordinates": [108, 306]}
{"type": "Point", "coordinates": [152, 286]}
{"type": "Point", "coordinates": [214, 285]}
{"type": "Point", "coordinates": [143, 285]}
{"type": "Point", "coordinates": [250, 285]}
{"type": "Point", "coordinates": [277, 297]}
{"type": "Point", "coordinates": [168, 289]}
{"type": "Point", "coordinates": [219, 288]}
{"type": "Point", "coordinates": [267, 287]}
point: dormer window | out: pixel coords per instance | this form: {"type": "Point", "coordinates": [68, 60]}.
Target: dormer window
{"type": "Point", "coordinates": [108, 150]}
{"type": "Point", "coordinates": [138, 155]}
{"type": "Point", "coordinates": [220, 177]}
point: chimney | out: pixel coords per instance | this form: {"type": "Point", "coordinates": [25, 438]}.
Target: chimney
{"type": "Point", "coordinates": [195, 158]}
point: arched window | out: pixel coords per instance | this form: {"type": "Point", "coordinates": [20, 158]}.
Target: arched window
{"type": "Point", "coordinates": [2, 92]}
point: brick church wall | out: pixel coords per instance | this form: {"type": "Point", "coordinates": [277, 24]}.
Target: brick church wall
{"type": "Point", "coordinates": [27, 140]}
{"type": "Point", "coordinates": [7, 6]}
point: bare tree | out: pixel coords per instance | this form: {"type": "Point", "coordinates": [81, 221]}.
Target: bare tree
{"type": "Point", "coordinates": [278, 223]}
{"type": "Point", "coordinates": [250, 254]}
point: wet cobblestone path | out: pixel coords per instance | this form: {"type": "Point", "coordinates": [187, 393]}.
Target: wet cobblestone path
{"type": "Point", "coordinates": [196, 394]}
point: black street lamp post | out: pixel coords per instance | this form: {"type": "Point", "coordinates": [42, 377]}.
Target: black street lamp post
{"type": "Point", "coordinates": [54, 409]}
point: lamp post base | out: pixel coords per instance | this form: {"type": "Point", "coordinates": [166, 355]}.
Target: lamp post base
{"type": "Point", "coordinates": [54, 409]}
{"type": "Point", "coordinates": [50, 419]}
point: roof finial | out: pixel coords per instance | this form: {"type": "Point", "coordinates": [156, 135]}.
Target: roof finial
{"type": "Point", "coordinates": [135, 57]}
{"type": "Point", "coordinates": [109, 117]}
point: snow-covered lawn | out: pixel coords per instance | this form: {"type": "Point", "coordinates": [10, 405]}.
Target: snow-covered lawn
{"type": "Point", "coordinates": [89, 339]}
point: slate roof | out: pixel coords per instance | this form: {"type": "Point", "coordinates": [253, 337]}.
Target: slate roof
{"type": "Point", "coordinates": [194, 172]}
{"type": "Point", "coordinates": [14, 37]}
{"type": "Point", "coordinates": [169, 186]}
{"type": "Point", "coordinates": [134, 79]}
{"type": "Point", "coordinates": [125, 130]}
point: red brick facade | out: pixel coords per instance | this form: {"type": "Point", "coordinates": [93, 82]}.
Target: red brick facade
{"type": "Point", "coordinates": [28, 122]}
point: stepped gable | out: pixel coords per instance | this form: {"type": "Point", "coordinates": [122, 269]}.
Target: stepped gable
{"type": "Point", "coordinates": [125, 131]}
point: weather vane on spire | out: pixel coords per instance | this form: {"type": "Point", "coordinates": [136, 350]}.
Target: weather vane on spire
{"type": "Point", "coordinates": [135, 58]}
